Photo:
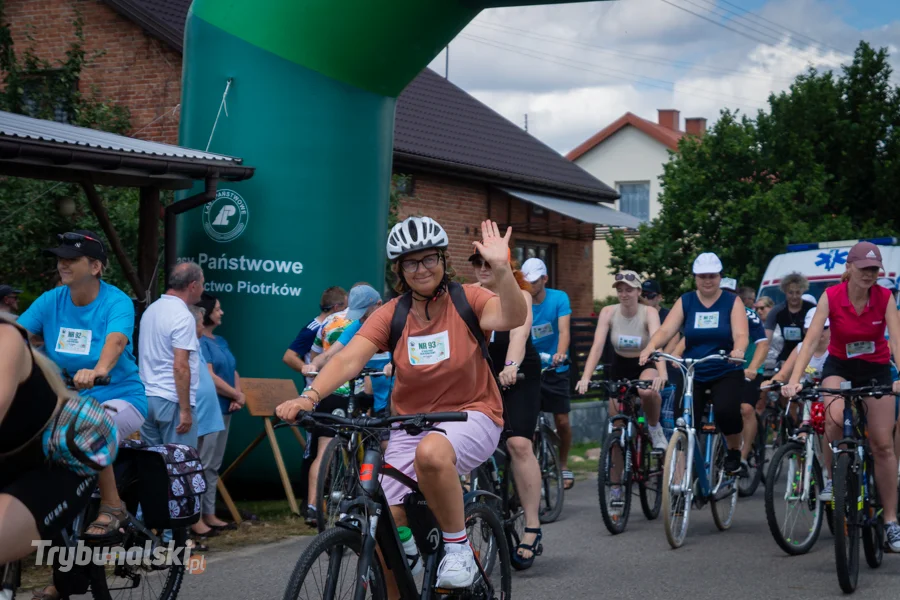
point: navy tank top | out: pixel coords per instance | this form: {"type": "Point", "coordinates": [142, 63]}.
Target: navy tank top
{"type": "Point", "coordinates": [708, 331]}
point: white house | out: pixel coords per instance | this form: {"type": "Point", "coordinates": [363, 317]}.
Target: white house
{"type": "Point", "coordinates": [629, 154]}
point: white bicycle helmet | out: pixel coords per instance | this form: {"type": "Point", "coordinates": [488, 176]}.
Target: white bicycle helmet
{"type": "Point", "coordinates": [415, 233]}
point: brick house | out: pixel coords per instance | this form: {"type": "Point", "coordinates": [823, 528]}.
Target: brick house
{"type": "Point", "coordinates": [465, 162]}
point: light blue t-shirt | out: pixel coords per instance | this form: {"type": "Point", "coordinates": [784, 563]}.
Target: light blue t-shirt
{"type": "Point", "coordinates": [545, 325]}
{"type": "Point", "coordinates": [381, 386]}
{"type": "Point", "coordinates": [74, 337]}
{"type": "Point", "coordinates": [216, 352]}
{"type": "Point", "coordinates": [207, 412]}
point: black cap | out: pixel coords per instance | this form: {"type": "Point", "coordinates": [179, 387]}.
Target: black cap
{"type": "Point", "coordinates": [8, 290]}
{"type": "Point", "coordinates": [651, 287]}
{"type": "Point", "coordinates": [78, 243]}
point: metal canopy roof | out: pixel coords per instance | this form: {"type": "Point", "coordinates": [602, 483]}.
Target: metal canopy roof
{"type": "Point", "coordinates": [42, 149]}
{"type": "Point", "coordinates": [586, 212]}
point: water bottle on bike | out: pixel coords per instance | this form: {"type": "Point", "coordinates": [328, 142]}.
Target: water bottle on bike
{"type": "Point", "coordinates": [410, 550]}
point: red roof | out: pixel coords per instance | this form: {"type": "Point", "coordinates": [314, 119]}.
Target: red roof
{"type": "Point", "coordinates": [663, 135]}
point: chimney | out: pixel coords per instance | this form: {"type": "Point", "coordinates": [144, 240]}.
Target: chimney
{"type": "Point", "coordinates": [695, 126]}
{"type": "Point", "coordinates": [669, 118]}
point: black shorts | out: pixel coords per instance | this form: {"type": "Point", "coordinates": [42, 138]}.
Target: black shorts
{"type": "Point", "coordinates": [857, 371]}
{"type": "Point", "coordinates": [751, 390]}
{"type": "Point", "coordinates": [556, 392]}
{"type": "Point", "coordinates": [521, 406]}
{"type": "Point", "coordinates": [53, 495]}
{"type": "Point", "coordinates": [726, 392]}
{"type": "Point", "coordinates": [626, 368]}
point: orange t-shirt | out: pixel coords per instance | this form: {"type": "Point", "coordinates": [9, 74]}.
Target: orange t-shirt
{"type": "Point", "coordinates": [437, 364]}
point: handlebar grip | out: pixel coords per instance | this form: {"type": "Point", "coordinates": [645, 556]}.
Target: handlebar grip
{"type": "Point", "coordinates": [520, 376]}
{"type": "Point", "coordinates": [447, 417]}
{"type": "Point", "coordinates": [105, 380]}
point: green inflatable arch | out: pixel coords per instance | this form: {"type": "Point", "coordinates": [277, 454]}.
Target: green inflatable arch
{"type": "Point", "coordinates": [309, 91]}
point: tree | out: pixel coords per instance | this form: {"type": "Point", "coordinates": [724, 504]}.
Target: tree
{"type": "Point", "coordinates": [823, 164]}
{"type": "Point", "coordinates": [32, 212]}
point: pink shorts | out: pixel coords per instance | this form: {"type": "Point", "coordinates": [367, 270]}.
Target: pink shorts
{"type": "Point", "coordinates": [474, 441]}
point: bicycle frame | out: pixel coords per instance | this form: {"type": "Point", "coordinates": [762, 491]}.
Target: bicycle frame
{"type": "Point", "coordinates": [812, 450]}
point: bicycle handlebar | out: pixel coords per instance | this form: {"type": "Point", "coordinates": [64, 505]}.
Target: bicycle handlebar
{"type": "Point", "coordinates": [417, 421]}
{"type": "Point", "coordinates": [364, 373]}
{"type": "Point", "coordinates": [613, 385]}
{"type": "Point", "coordinates": [687, 362]}
{"type": "Point", "coordinates": [98, 381]}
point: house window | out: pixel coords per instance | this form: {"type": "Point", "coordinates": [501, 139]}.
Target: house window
{"type": "Point", "coordinates": [37, 90]}
{"type": "Point", "coordinates": [635, 199]}
{"type": "Point", "coordinates": [522, 251]}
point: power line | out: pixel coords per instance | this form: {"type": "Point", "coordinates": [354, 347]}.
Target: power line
{"type": "Point", "coordinates": [564, 61]}
{"type": "Point", "coordinates": [686, 65]}
{"type": "Point", "coordinates": [792, 31]}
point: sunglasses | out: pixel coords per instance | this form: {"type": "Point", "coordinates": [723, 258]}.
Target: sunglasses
{"type": "Point", "coordinates": [480, 262]}
{"type": "Point", "coordinates": [70, 239]}
{"type": "Point", "coordinates": [411, 265]}
{"type": "Point", "coordinates": [626, 277]}
{"type": "Point", "coordinates": [649, 295]}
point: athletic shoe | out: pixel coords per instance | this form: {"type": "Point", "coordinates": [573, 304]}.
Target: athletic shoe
{"type": "Point", "coordinates": [457, 569]}
{"type": "Point", "coordinates": [658, 439]}
{"type": "Point", "coordinates": [892, 536]}
{"type": "Point", "coordinates": [732, 462]}
{"type": "Point", "coordinates": [827, 491]}
{"type": "Point", "coordinates": [745, 469]}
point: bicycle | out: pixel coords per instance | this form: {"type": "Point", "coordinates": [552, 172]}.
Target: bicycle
{"type": "Point", "coordinates": [333, 484]}
{"type": "Point", "coordinates": [795, 477]}
{"type": "Point", "coordinates": [134, 571]}
{"type": "Point", "coordinates": [546, 445]}
{"type": "Point", "coordinates": [858, 513]}
{"type": "Point", "coordinates": [685, 454]}
{"type": "Point", "coordinates": [368, 522]}
{"type": "Point", "coordinates": [628, 457]}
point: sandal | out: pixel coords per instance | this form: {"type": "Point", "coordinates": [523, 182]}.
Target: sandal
{"type": "Point", "coordinates": [43, 594]}
{"type": "Point", "coordinates": [199, 543]}
{"type": "Point", "coordinates": [519, 562]}
{"type": "Point", "coordinates": [225, 527]}
{"type": "Point", "coordinates": [118, 520]}
{"type": "Point", "coordinates": [568, 480]}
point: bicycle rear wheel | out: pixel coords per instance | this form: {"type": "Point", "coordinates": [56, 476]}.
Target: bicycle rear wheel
{"type": "Point", "coordinates": [676, 490]}
{"type": "Point", "coordinates": [488, 541]}
{"type": "Point", "coordinates": [328, 567]}
{"type": "Point", "coordinates": [794, 523]}
{"type": "Point", "coordinates": [846, 522]}
{"type": "Point", "coordinates": [143, 580]}
{"type": "Point", "coordinates": [873, 529]}
{"type": "Point", "coordinates": [552, 493]}
{"type": "Point", "coordinates": [756, 459]}
{"type": "Point", "coordinates": [650, 484]}
{"type": "Point", "coordinates": [724, 499]}
{"type": "Point", "coordinates": [333, 484]}
{"type": "Point", "coordinates": [614, 483]}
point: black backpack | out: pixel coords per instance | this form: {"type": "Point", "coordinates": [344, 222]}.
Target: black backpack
{"type": "Point", "coordinates": [463, 308]}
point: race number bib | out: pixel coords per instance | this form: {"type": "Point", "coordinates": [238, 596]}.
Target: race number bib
{"type": "Point", "coordinates": [542, 331]}
{"type": "Point", "coordinates": [429, 349]}
{"type": "Point", "coordinates": [629, 342]}
{"type": "Point", "coordinates": [855, 349]}
{"type": "Point", "coordinates": [706, 320]}
{"type": "Point", "coordinates": [74, 341]}
{"type": "Point", "coordinates": [793, 334]}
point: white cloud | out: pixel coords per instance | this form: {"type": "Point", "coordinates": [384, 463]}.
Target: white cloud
{"type": "Point", "coordinates": [573, 67]}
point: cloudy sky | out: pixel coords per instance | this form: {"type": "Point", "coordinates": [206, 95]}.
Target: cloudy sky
{"type": "Point", "coordinates": [574, 68]}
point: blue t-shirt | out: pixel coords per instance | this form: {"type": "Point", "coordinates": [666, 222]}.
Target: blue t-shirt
{"type": "Point", "coordinates": [74, 337]}
{"type": "Point", "coordinates": [545, 325]}
{"type": "Point", "coordinates": [757, 334]}
{"type": "Point", "coordinates": [381, 386]}
{"type": "Point", "coordinates": [216, 352]}
{"type": "Point", "coordinates": [206, 412]}
{"type": "Point", "coordinates": [304, 340]}
{"type": "Point", "coordinates": [708, 331]}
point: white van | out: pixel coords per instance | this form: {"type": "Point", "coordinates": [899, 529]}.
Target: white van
{"type": "Point", "coordinates": [822, 264]}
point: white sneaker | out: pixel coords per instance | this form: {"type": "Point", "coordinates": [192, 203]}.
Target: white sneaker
{"type": "Point", "coordinates": [827, 491]}
{"type": "Point", "coordinates": [457, 569]}
{"type": "Point", "coordinates": [658, 438]}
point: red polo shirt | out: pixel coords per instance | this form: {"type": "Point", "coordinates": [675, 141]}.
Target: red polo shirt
{"type": "Point", "coordinates": [858, 335]}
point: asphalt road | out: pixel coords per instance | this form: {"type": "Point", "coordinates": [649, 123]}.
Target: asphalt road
{"type": "Point", "coordinates": [582, 561]}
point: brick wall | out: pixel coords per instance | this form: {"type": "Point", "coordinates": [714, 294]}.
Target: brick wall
{"type": "Point", "coordinates": [460, 206]}
{"type": "Point", "coordinates": [135, 69]}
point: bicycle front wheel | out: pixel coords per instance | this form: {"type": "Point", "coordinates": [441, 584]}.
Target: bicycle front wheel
{"type": "Point", "coordinates": [488, 541]}
{"type": "Point", "coordinates": [873, 529]}
{"type": "Point", "coordinates": [614, 483]}
{"type": "Point", "coordinates": [795, 523]}
{"type": "Point", "coordinates": [327, 569]}
{"type": "Point", "coordinates": [552, 493]}
{"type": "Point", "coordinates": [756, 459]}
{"type": "Point", "coordinates": [724, 499]}
{"type": "Point", "coordinates": [650, 483]}
{"type": "Point", "coordinates": [676, 489]}
{"type": "Point", "coordinates": [846, 522]}
{"type": "Point", "coordinates": [333, 484]}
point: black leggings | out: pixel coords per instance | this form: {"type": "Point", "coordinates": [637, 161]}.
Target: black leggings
{"type": "Point", "coordinates": [726, 392]}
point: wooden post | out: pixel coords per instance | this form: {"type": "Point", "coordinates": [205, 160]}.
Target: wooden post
{"type": "Point", "coordinates": [282, 469]}
{"type": "Point", "coordinates": [148, 241]}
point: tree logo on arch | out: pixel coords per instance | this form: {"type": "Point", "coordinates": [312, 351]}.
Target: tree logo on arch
{"type": "Point", "coordinates": [226, 217]}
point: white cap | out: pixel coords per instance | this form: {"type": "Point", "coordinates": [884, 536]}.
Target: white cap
{"type": "Point", "coordinates": [534, 269]}
{"type": "Point", "coordinates": [728, 283]}
{"type": "Point", "coordinates": [810, 298]}
{"type": "Point", "coordinates": [809, 318]}
{"type": "Point", "coordinates": [707, 263]}
{"type": "Point", "coordinates": [887, 283]}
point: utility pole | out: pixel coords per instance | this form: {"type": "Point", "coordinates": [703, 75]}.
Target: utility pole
{"type": "Point", "coordinates": [447, 62]}
{"type": "Point", "coordinates": [526, 121]}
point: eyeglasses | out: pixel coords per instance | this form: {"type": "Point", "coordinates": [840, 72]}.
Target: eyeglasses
{"type": "Point", "coordinates": [626, 277]}
{"type": "Point", "coordinates": [479, 263]}
{"type": "Point", "coordinates": [649, 295]}
{"type": "Point", "coordinates": [411, 265]}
